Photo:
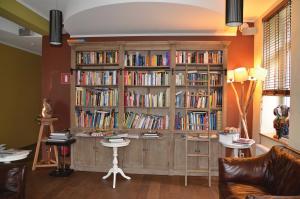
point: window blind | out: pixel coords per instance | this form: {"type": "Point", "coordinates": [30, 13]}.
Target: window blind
{"type": "Point", "coordinates": [277, 51]}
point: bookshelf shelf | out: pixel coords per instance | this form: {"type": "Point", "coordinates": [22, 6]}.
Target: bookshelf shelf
{"type": "Point", "coordinates": [145, 77]}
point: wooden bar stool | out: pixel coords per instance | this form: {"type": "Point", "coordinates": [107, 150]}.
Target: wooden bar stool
{"type": "Point", "coordinates": [49, 162]}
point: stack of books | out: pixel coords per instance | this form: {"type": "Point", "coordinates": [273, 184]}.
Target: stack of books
{"type": "Point", "coordinates": [60, 136]}
{"type": "Point", "coordinates": [117, 138]}
{"type": "Point", "coordinates": [151, 135]}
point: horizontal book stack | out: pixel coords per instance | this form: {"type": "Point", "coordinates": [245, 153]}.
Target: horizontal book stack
{"type": "Point", "coordinates": [103, 97]}
{"type": "Point", "coordinates": [96, 119]}
{"type": "Point", "coordinates": [151, 135]}
{"type": "Point", "coordinates": [96, 78]}
{"type": "Point", "coordinates": [97, 57]}
{"type": "Point", "coordinates": [132, 59]}
{"type": "Point", "coordinates": [196, 78]}
{"type": "Point", "coordinates": [199, 57]}
{"type": "Point", "coordinates": [146, 121]}
{"type": "Point", "coordinates": [136, 99]}
{"type": "Point", "coordinates": [60, 136]}
{"type": "Point", "coordinates": [146, 78]}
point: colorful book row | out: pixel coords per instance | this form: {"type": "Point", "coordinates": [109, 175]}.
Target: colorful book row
{"type": "Point", "coordinates": [146, 78]}
{"type": "Point", "coordinates": [136, 99]}
{"type": "Point", "coordinates": [146, 121]}
{"type": "Point", "coordinates": [199, 57]}
{"type": "Point", "coordinates": [103, 97]}
{"type": "Point", "coordinates": [96, 119]}
{"type": "Point", "coordinates": [198, 121]}
{"type": "Point", "coordinates": [97, 57]}
{"type": "Point", "coordinates": [96, 78]}
{"type": "Point", "coordinates": [142, 59]}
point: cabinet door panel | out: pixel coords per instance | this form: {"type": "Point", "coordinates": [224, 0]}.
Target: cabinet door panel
{"type": "Point", "coordinates": [179, 153]}
{"type": "Point", "coordinates": [132, 155]}
{"type": "Point", "coordinates": [103, 156]}
{"type": "Point", "coordinates": [156, 154]}
{"type": "Point", "coordinates": [83, 152]}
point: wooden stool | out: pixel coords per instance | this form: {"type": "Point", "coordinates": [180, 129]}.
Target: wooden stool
{"type": "Point", "coordinates": [50, 162]}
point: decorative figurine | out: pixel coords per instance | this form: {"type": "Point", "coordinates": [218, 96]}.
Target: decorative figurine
{"type": "Point", "coordinates": [281, 122]}
{"type": "Point", "coordinates": [47, 110]}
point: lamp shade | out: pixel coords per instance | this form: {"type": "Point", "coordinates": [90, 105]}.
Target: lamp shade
{"type": "Point", "coordinates": [230, 76]}
{"type": "Point", "coordinates": [234, 12]}
{"type": "Point", "coordinates": [257, 73]}
{"type": "Point", "coordinates": [55, 29]}
{"type": "Point", "coordinates": [240, 74]}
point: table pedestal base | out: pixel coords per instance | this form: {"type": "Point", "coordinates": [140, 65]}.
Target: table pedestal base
{"type": "Point", "coordinates": [115, 169]}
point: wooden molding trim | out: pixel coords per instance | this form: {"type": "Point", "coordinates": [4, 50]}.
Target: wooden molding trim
{"type": "Point", "coordinates": [276, 92]}
{"type": "Point", "coordinates": [275, 10]}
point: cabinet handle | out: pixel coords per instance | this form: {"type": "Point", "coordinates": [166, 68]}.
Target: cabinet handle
{"type": "Point", "coordinates": [197, 150]}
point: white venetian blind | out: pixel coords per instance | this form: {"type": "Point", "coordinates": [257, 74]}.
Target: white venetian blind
{"type": "Point", "coordinates": [277, 50]}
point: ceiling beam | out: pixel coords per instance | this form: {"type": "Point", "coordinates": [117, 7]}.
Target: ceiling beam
{"type": "Point", "coordinates": [16, 12]}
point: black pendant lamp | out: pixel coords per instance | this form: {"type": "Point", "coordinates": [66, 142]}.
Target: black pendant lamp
{"type": "Point", "coordinates": [234, 12]}
{"type": "Point", "coordinates": [55, 30]}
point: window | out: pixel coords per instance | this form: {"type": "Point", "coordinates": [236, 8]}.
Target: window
{"type": "Point", "coordinates": [277, 60]}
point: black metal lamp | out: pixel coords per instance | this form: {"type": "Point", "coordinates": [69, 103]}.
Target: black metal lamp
{"type": "Point", "coordinates": [234, 12]}
{"type": "Point", "coordinates": [55, 29]}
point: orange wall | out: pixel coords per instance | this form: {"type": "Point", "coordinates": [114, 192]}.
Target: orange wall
{"type": "Point", "coordinates": [57, 59]}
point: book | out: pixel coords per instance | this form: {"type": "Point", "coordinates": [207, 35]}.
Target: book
{"type": "Point", "coordinates": [146, 121]}
{"type": "Point", "coordinates": [146, 59]}
{"type": "Point", "coordinates": [96, 78]}
{"type": "Point", "coordinates": [146, 78]}
{"type": "Point", "coordinates": [97, 57]}
{"type": "Point", "coordinates": [199, 57]}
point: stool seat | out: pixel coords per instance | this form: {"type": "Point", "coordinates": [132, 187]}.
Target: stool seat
{"type": "Point", "coordinates": [115, 169]}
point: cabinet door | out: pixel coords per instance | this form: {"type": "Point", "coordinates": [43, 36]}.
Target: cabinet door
{"type": "Point", "coordinates": [179, 153]}
{"type": "Point", "coordinates": [132, 155]}
{"type": "Point", "coordinates": [103, 157]}
{"type": "Point", "coordinates": [156, 153]}
{"type": "Point", "coordinates": [83, 153]}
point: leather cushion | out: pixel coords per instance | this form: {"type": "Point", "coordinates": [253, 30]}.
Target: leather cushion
{"type": "Point", "coordinates": [283, 173]}
{"type": "Point", "coordinates": [240, 191]}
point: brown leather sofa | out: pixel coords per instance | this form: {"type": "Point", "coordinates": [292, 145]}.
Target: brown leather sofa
{"type": "Point", "coordinates": [12, 181]}
{"type": "Point", "coordinates": [275, 174]}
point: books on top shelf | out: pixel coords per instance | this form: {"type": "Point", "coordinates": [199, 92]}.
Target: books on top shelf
{"type": "Point", "coordinates": [103, 97]}
{"type": "Point", "coordinates": [146, 121]}
{"type": "Point", "coordinates": [144, 59]}
{"type": "Point", "coordinates": [199, 57]}
{"type": "Point", "coordinates": [136, 99]}
{"type": "Point", "coordinates": [197, 120]}
{"type": "Point", "coordinates": [97, 57]}
{"type": "Point", "coordinates": [96, 119]}
{"type": "Point", "coordinates": [146, 78]}
{"type": "Point", "coordinates": [96, 78]}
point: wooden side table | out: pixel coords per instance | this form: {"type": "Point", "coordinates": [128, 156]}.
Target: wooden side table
{"type": "Point", "coordinates": [115, 169]}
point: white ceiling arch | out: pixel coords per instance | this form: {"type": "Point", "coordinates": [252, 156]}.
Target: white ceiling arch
{"type": "Point", "coordinates": [145, 17]}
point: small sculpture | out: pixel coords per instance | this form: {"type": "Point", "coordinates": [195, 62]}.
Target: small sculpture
{"type": "Point", "coordinates": [281, 122]}
{"type": "Point", "coordinates": [47, 110]}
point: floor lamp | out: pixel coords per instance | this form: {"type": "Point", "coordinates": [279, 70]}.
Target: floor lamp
{"type": "Point", "coordinates": [241, 75]}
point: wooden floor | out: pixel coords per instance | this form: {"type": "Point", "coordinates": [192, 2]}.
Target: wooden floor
{"type": "Point", "coordinates": [89, 185]}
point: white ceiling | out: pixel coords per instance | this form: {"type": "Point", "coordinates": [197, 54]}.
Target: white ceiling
{"type": "Point", "coordinates": [85, 18]}
{"type": "Point", "coordinates": [145, 17]}
{"type": "Point", "coordinates": [9, 35]}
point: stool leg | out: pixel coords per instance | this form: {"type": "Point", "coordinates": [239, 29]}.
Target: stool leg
{"type": "Point", "coordinates": [37, 149]}
{"type": "Point", "coordinates": [114, 182]}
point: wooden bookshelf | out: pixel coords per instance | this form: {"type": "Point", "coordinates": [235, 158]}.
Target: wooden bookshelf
{"type": "Point", "coordinates": [137, 155]}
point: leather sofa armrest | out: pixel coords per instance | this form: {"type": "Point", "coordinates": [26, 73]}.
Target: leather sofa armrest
{"type": "Point", "coordinates": [271, 197]}
{"type": "Point", "coordinates": [247, 170]}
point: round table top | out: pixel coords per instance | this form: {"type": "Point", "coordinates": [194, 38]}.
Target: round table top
{"type": "Point", "coordinates": [11, 158]}
{"type": "Point", "coordinates": [237, 145]}
{"type": "Point", "coordinates": [106, 143]}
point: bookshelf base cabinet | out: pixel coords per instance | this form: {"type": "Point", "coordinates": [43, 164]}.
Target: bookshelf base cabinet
{"type": "Point", "coordinates": [163, 156]}
{"type": "Point", "coordinates": [177, 88]}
